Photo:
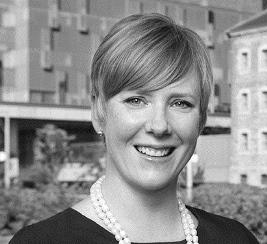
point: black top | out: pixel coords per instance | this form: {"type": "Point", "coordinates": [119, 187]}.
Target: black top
{"type": "Point", "coordinates": [71, 227]}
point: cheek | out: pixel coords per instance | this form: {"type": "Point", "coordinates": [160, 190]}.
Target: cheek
{"type": "Point", "coordinates": [122, 123]}
{"type": "Point", "coordinates": [188, 126]}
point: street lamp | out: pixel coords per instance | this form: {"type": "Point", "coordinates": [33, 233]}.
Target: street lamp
{"type": "Point", "coordinates": [189, 175]}
{"type": "Point", "coordinates": [2, 156]}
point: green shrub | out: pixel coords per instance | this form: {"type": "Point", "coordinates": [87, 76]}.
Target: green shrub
{"type": "Point", "coordinates": [21, 206]}
{"type": "Point", "coordinates": [244, 203]}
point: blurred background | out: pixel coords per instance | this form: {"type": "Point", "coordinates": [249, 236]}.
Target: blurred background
{"type": "Point", "coordinates": [49, 152]}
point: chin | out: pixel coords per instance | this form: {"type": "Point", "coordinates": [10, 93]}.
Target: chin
{"type": "Point", "coordinates": [155, 183]}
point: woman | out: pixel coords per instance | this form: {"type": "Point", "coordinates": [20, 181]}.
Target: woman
{"type": "Point", "coordinates": [151, 82]}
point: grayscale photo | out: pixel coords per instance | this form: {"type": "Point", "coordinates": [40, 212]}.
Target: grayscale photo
{"type": "Point", "coordinates": [133, 121]}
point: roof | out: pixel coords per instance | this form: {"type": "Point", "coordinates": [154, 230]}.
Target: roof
{"type": "Point", "coordinates": [256, 23]}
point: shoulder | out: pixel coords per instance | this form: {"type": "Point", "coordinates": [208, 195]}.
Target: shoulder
{"type": "Point", "coordinates": [68, 227]}
{"type": "Point", "coordinates": [43, 231]}
{"type": "Point", "coordinates": [213, 227]}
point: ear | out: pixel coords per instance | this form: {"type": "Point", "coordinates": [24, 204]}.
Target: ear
{"type": "Point", "coordinates": [98, 117]}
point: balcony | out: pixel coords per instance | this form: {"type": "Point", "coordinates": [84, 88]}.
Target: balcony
{"type": "Point", "coordinates": [13, 95]}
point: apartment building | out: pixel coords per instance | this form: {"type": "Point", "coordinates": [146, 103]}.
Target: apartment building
{"type": "Point", "coordinates": [248, 76]}
{"type": "Point", "coordinates": [46, 47]}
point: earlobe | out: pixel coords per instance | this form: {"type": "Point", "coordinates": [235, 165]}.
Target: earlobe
{"type": "Point", "coordinates": [97, 113]}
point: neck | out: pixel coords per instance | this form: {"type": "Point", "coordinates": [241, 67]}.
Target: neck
{"type": "Point", "coordinates": [154, 209]}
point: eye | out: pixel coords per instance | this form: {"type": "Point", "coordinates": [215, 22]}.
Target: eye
{"type": "Point", "coordinates": [182, 104]}
{"type": "Point", "coordinates": [135, 101]}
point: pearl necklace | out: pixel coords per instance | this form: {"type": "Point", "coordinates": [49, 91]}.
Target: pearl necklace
{"type": "Point", "coordinates": [104, 213]}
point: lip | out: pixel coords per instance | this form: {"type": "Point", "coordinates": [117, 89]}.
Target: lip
{"type": "Point", "coordinates": [156, 147]}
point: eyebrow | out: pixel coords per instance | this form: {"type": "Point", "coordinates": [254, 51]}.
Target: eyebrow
{"type": "Point", "coordinates": [183, 94]}
{"type": "Point", "coordinates": [174, 94]}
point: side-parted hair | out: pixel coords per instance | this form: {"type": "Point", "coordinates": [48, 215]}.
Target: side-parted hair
{"type": "Point", "coordinates": [149, 52]}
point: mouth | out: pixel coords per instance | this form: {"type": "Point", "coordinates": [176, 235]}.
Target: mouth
{"type": "Point", "coordinates": [155, 152]}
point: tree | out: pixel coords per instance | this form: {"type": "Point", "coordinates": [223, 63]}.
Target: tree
{"type": "Point", "coordinates": [51, 148]}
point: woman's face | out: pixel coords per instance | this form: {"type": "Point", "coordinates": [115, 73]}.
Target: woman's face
{"type": "Point", "coordinates": [151, 136]}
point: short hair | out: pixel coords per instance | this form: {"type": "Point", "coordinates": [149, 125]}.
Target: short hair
{"type": "Point", "coordinates": [149, 52]}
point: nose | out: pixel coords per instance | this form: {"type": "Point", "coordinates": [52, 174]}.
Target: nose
{"type": "Point", "coordinates": [157, 122]}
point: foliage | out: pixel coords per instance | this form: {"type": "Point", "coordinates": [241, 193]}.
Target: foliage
{"type": "Point", "coordinates": [51, 150]}
{"type": "Point", "coordinates": [21, 206]}
{"type": "Point", "coordinates": [244, 203]}
{"type": "Point", "coordinates": [51, 145]}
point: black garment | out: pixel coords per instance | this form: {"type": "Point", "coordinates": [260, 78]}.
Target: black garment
{"type": "Point", "coordinates": [71, 227]}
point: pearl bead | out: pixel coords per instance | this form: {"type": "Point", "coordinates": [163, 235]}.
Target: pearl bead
{"type": "Point", "coordinates": [101, 215]}
{"type": "Point", "coordinates": [188, 237]}
{"type": "Point", "coordinates": [195, 239]}
{"type": "Point", "coordinates": [109, 214]}
{"type": "Point", "coordinates": [105, 208]}
{"type": "Point", "coordinates": [187, 231]}
{"type": "Point", "coordinates": [191, 226]}
{"type": "Point", "coordinates": [106, 221]}
{"type": "Point", "coordinates": [123, 233]}
{"type": "Point", "coordinates": [117, 226]}
{"type": "Point", "coordinates": [104, 213]}
{"type": "Point", "coordinates": [110, 226]}
{"type": "Point", "coordinates": [112, 220]}
{"type": "Point", "coordinates": [118, 237]}
{"type": "Point", "coordinates": [127, 240]}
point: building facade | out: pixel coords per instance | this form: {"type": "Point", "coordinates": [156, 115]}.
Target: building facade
{"type": "Point", "coordinates": [46, 47]}
{"type": "Point", "coordinates": [248, 77]}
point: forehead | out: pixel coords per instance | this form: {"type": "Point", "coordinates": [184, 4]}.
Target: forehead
{"type": "Point", "coordinates": [190, 82]}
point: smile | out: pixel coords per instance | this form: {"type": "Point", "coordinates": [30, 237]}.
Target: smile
{"type": "Point", "coordinates": [153, 152]}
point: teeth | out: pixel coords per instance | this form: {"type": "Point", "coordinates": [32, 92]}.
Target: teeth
{"type": "Point", "coordinates": [153, 152]}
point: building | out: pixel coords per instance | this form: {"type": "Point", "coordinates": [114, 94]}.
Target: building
{"type": "Point", "coordinates": [46, 47]}
{"type": "Point", "coordinates": [248, 76]}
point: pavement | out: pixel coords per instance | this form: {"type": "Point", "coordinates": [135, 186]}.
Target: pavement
{"type": "Point", "coordinates": [5, 239]}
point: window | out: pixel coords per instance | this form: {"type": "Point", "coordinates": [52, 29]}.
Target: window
{"type": "Point", "coordinates": [1, 75]}
{"type": "Point", "coordinates": [243, 179]}
{"type": "Point", "coordinates": [262, 58]}
{"type": "Point", "coordinates": [62, 86]}
{"type": "Point", "coordinates": [244, 61]}
{"type": "Point", "coordinates": [53, 18]}
{"type": "Point", "coordinates": [263, 141]}
{"type": "Point", "coordinates": [84, 6]}
{"type": "Point", "coordinates": [263, 99]}
{"type": "Point", "coordinates": [46, 60]}
{"type": "Point", "coordinates": [82, 24]}
{"type": "Point", "coordinates": [211, 18]}
{"type": "Point", "coordinates": [243, 101]}
{"type": "Point", "coordinates": [46, 39]}
{"type": "Point", "coordinates": [210, 26]}
{"type": "Point", "coordinates": [243, 141]}
{"type": "Point", "coordinates": [264, 179]}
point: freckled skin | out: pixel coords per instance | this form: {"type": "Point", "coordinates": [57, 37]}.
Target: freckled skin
{"type": "Point", "coordinates": [163, 118]}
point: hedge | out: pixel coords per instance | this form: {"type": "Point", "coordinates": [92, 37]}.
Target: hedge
{"type": "Point", "coordinates": [22, 206]}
